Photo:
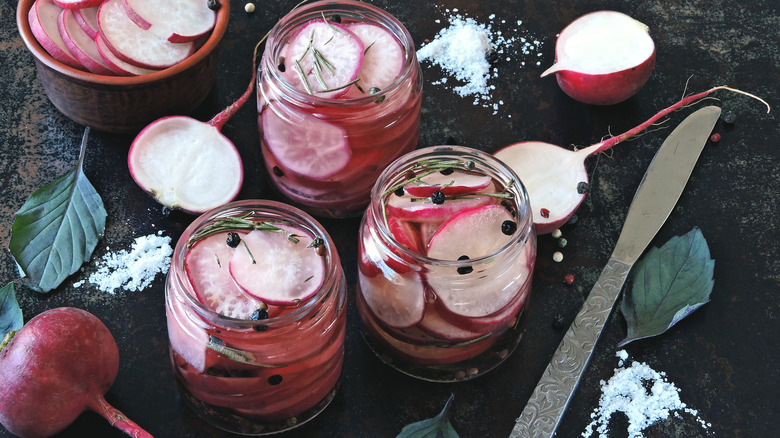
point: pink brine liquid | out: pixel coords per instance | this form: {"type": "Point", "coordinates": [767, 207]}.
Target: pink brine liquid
{"type": "Point", "coordinates": [446, 256]}
{"type": "Point", "coordinates": [339, 99]}
{"type": "Point", "coordinates": [256, 317]}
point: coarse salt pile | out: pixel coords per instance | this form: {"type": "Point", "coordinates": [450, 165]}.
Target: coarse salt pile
{"type": "Point", "coordinates": [642, 394]}
{"type": "Point", "coordinates": [134, 270]}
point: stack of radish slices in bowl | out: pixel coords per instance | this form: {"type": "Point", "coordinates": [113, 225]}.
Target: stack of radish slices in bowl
{"type": "Point", "coordinates": [116, 65]}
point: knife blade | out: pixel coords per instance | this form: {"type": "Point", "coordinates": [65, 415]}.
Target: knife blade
{"type": "Point", "coordinates": [656, 196]}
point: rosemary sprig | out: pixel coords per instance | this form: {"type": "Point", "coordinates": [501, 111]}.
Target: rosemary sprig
{"type": "Point", "coordinates": [428, 167]}
{"type": "Point", "coordinates": [348, 84]}
{"type": "Point", "coordinates": [369, 46]}
{"type": "Point", "coordinates": [242, 223]}
{"type": "Point", "coordinates": [318, 74]}
{"type": "Point", "coordinates": [303, 77]}
{"type": "Point", "coordinates": [318, 57]}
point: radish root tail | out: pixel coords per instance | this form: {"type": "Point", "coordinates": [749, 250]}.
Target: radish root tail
{"type": "Point", "coordinates": [117, 418]}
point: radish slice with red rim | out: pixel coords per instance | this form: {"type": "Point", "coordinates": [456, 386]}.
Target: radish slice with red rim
{"type": "Point", "coordinates": [396, 300]}
{"type": "Point", "coordinates": [383, 58]}
{"type": "Point", "coordinates": [455, 182]}
{"type": "Point", "coordinates": [43, 17]}
{"type": "Point", "coordinates": [117, 64]}
{"type": "Point", "coordinates": [87, 19]}
{"type": "Point", "coordinates": [274, 269]}
{"type": "Point", "coordinates": [207, 267]}
{"type": "Point", "coordinates": [77, 4]}
{"type": "Point", "coordinates": [306, 145]}
{"type": "Point", "coordinates": [323, 58]}
{"type": "Point", "coordinates": [178, 21]}
{"type": "Point", "coordinates": [423, 210]}
{"type": "Point", "coordinates": [80, 45]}
{"type": "Point", "coordinates": [433, 324]}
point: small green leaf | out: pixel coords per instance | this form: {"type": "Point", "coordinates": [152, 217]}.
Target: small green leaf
{"type": "Point", "coordinates": [57, 229]}
{"type": "Point", "coordinates": [10, 313]}
{"type": "Point", "coordinates": [436, 427]}
{"type": "Point", "coordinates": [668, 284]}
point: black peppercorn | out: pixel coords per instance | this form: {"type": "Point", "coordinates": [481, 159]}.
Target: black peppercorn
{"type": "Point", "coordinates": [259, 314]}
{"type": "Point", "coordinates": [582, 187]}
{"type": "Point", "coordinates": [336, 18]}
{"type": "Point", "coordinates": [233, 239]}
{"type": "Point", "coordinates": [277, 171]}
{"type": "Point", "coordinates": [447, 171]}
{"type": "Point", "coordinates": [463, 270]}
{"type": "Point", "coordinates": [508, 227]}
{"type": "Point", "coordinates": [214, 5]}
{"type": "Point", "coordinates": [275, 379]}
{"type": "Point", "coordinates": [729, 117]}
{"type": "Point", "coordinates": [437, 197]}
{"type": "Point", "coordinates": [399, 191]}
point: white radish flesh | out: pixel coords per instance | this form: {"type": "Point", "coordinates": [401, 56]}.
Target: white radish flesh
{"type": "Point", "coordinates": [87, 19]}
{"type": "Point", "coordinates": [43, 17]}
{"type": "Point", "coordinates": [396, 300]}
{"type": "Point", "coordinates": [134, 45]}
{"type": "Point", "coordinates": [383, 58]}
{"type": "Point", "coordinates": [551, 174]}
{"type": "Point", "coordinates": [433, 324]}
{"type": "Point", "coordinates": [80, 45]}
{"type": "Point", "coordinates": [178, 21]}
{"type": "Point", "coordinates": [603, 58]}
{"type": "Point", "coordinates": [272, 268]}
{"type": "Point", "coordinates": [117, 64]}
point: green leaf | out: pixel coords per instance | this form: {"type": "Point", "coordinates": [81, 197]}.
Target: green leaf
{"type": "Point", "coordinates": [57, 229]}
{"type": "Point", "coordinates": [668, 284]}
{"type": "Point", "coordinates": [436, 427]}
{"type": "Point", "coordinates": [10, 313]}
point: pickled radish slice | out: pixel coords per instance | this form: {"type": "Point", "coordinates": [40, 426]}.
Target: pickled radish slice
{"type": "Point", "coordinates": [474, 233]}
{"type": "Point", "coordinates": [455, 183]}
{"type": "Point", "coordinates": [398, 301]}
{"type": "Point", "coordinates": [405, 234]}
{"type": "Point", "coordinates": [272, 268]}
{"type": "Point", "coordinates": [323, 58]}
{"type": "Point", "coordinates": [424, 210]}
{"type": "Point", "coordinates": [433, 324]}
{"type": "Point", "coordinates": [306, 145]}
{"type": "Point", "coordinates": [383, 57]}
{"type": "Point", "coordinates": [207, 267]}
{"type": "Point", "coordinates": [495, 323]}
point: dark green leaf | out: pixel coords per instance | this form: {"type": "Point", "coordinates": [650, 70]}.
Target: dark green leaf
{"type": "Point", "coordinates": [668, 284]}
{"type": "Point", "coordinates": [436, 427]}
{"type": "Point", "coordinates": [57, 229]}
{"type": "Point", "coordinates": [10, 312]}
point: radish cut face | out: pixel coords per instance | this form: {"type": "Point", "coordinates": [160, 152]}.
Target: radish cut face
{"type": "Point", "coordinates": [186, 164]}
{"type": "Point", "coordinates": [272, 268]}
{"type": "Point", "coordinates": [383, 57]}
{"type": "Point", "coordinates": [551, 175]}
{"type": "Point", "coordinates": [603, 58]}
{"type": "Point", "coordinates": [116, 64]}
{"type": "Point", "coordinates": [307, 145]}
{"type": "Point", "coordinates": [396, 300]}
{"type": "Point", "coordinates": [473, 233]}
{"type": "Point", "coordinates": [207, 267]}
{"type": "Point", "coordinates": [80, 45]}
{"type": "Point", "coordinates": [87, 19]}
{"type": "Point", "coordinates": [177, 21]}
{"type": "Point", "coordinates": [43, 17]}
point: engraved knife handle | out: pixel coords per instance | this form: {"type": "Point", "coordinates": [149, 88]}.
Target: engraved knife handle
{"type": "Point", "coordinates": [549, 400]}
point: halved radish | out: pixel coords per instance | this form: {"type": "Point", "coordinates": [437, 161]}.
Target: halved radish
{"type": "Point", "coordinates": [117, 64]}
{"type": "Point", "coordinates": [272, 268]}
{"type": "Point", "coordinates": [177, 21]}
{"type": "Point", "coordinates": [87, 19]}
{"type": "Point", "coordinates": [80, 45]}
{"type": "Point", "coordinates": [77, 4]}
{"type": "Point", "coordinates": [207, 267]}
{"type": "Point", "coordinates": [383, 59]}
{"type": "Point", "coordinates": [43, 17]}
{"type": "Point", "coordinates": [305, 144]}
{"type": "Point", "coordinates": [323, 58]}
{"type": "Point", "coordinates": [473, 233]}
{"type": "Point", "coordinates": [186, 164]}
{"type": "Point", "coordinates": [397, 300]}
{"type": "Point", "coordinates": [455, 182]}
{"type": "Point", "coordinates": [135, 45]}
{"type": "Point", "coordinates": [424, 210]}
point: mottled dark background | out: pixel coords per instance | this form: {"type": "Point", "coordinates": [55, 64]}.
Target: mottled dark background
{"type": "Point", "coordinates": [724, 358]}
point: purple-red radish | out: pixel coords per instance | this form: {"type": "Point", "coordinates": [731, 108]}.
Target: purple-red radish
{"type": "Point", "coordinates": [87, 19]}
{"type": "Point", "coordinates": [60, 364]}
{"type": "Point", "coordinates": [603, 58]}
{"type": "Point", "coordinates": [272, 268]}
{"type": "Point", "coordinates": [43, 17]}
{"type": "Point", "coordinates": [323, 58]}
{"type": "Point", "coordinates": [135, 45]}
{"type": "Point", "coordinates": [455, 182]}
{"type": "Point", "coordinates": [425, 211]}
{"type": "Point", "coordinates": [556, 178]}
{"type": "Point", "coordinates": [383, 59]}
{"type": "Point", "coordinates": [116, 64]}
{"type": "Point", "coordinates": [398, 302]}
{"type": "Point", "coordinates": [77, 4]}
{"type": "Point", "coordinates": [81, 46]}
{"type": "Point", "coordinates": [178, 21]}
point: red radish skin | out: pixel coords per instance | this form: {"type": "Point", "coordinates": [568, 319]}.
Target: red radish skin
{"type": "Point", "coordinates": [60, 364]}
{"type": "Point", "coordinates": [116, 64]}
{"type": "Point", "coordinates": [81, 46]}
{"type": "Point", "coordinates": [87, 19]}
{"type": "Point", "coordinates": [43, 18]}
{"type": "Point", "coordinates": [552, 173]}
{"type": "Point", "coordinates": [178, 21]}
{"type": "Point", "coordinates": [603, 58]}
{"type": "Point", "coordinates": [77, 4]}
{"type": "Point", "coordinates": [455, 183]}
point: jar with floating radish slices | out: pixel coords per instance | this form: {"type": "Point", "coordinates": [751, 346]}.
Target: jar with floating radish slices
{"type": "Point", "coordinates": [255, 303]}
{"type": "Point", "coordinates": [446, 256]}
{"type": "Point", "coordinates": [339, 95]}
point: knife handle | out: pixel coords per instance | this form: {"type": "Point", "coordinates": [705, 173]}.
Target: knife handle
{"type": "Point", "coordinates": [549, 400]}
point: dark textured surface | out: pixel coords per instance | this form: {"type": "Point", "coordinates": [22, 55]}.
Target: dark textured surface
{"type": "Point", "coordinates": [724, 358]}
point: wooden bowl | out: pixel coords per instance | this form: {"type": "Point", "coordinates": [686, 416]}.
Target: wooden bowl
{"type": "Point", "coordinates": [125, 104]}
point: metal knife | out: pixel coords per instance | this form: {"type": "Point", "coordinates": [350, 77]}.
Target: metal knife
{"type": "Point", "coordinates": [654, 200]}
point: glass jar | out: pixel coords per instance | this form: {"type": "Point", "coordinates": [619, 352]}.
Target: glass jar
{"type": "Point", "coordinates": [324, 151]}
{"type": "Point", "coordinates": [242, 364]}
{"type": "Point", "coordinates": [444, 278]}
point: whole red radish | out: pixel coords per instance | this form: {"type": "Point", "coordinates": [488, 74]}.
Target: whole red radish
{"type": "Point", "coordinates": [57, 366]}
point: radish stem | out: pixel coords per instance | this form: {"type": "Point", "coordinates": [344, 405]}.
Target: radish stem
{"type": "Point", "coordinates": [117, 419]}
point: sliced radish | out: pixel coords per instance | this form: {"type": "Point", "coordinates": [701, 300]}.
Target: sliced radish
{"type": "Point", "coordinates": [186, 164]}
{"type": "Point", "coordinates": [306, 145]}
{"type": "Point", "coordinates": [407, 235]}
{"type": "Point", "coordinates": [473, 233]}
{"type": "Point", "coordinates": [455, 183]}
{"type": "Point", "coordinates": [178, 21]}
{"type": "Point", "coordinates": [117, 64]}
{"type": "Point", "coordinates": [271, 268]}
{"type": "Point", "coordinates": [433, 324]}
{"type": "Point", "coordinates": [207, 267]}
{"type": "Point", "coordinates": [80, 45]}
{"type": "Point", "coordinates": [496, 323]}
{"type": "Point", "coordinates": [424, 210]}
{"type": "Point", "coordinates": [396, 300]}
{"type": "Point", "coordinates": [383, 58]}
{"type": "Point", "coordinates": [323, 58]}
{"type": "Point", "coordinates": [77, 4]}
{"type": "Point", "coordinates": [87, 19]}
{"type": "Point", "coordinates": [135, 45]}
{"type": "Point", "coordinates": [43, 17]}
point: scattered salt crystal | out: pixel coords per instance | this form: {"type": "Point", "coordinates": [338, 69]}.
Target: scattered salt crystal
{"type": "Point", "coordinates": [134, 270]}
{"type": "Point", "coordinates": [644, 395]}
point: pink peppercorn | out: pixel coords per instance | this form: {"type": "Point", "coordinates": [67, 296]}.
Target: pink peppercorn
{"type": "Point", "coordinates": [715, 137]}
{"type": "Point", "coordinates": [568, 279]}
